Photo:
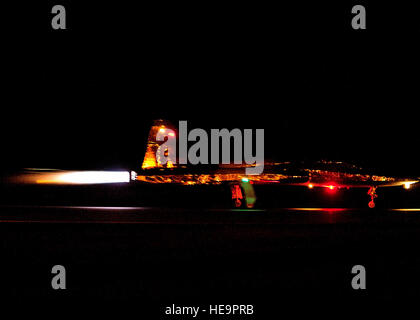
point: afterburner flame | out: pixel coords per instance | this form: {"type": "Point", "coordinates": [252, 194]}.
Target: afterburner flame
{"type": "Point", "coordinates": [83, 177]}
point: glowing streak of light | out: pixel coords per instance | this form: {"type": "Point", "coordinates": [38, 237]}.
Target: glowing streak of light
{"type": "Point", "coordinates": [86, 177]}
{"type": "Point", "coordinates": [318, 209]}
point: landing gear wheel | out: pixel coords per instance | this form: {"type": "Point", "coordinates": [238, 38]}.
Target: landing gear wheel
{"type": "Point", "coordinates": [373, 195]}
{"type": "Point", "coordinates": [237, 195]}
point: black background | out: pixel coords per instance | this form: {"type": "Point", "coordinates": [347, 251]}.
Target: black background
{"type": "Point", "coordinates": [84, 97]}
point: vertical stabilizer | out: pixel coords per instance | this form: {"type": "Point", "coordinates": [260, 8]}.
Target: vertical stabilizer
{"type": "Point", "coordinates": [151, 160]}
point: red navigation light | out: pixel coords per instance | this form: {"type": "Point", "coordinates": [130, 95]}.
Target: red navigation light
{"type": "Point", "coordinates": [331, 188]}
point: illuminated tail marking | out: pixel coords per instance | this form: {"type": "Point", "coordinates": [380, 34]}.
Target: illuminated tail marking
{"type": "Point", "coordinates": [150, 158]}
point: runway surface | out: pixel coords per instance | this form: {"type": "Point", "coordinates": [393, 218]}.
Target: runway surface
{"type": "Point", "coordinates": [162, 255]}
{"type": "Point", "coordinates": [156, 215]}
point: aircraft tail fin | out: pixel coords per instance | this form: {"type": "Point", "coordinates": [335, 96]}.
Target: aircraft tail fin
{"type": "Point", "coordinates": [151, 159]}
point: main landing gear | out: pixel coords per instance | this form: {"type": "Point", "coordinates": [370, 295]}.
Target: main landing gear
{"type": "Point", "coordinates": [237, 195]}
{"type": "Point", "coordinates": [373, 195]}
{"type": "Point", "coordinates": [243, 194]}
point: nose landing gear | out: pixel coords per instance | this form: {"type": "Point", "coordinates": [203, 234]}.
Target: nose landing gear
{"type": "Point", "coordinates": [373, 195]}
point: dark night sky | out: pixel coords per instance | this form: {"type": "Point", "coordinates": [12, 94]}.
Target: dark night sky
{"type": "Point", "coordinates": [84, 98]}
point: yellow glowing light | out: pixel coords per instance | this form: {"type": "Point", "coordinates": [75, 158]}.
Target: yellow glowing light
{"type": "Point", "coordinates": [161, 130]}
{"type": "Point", "coordinates": [407, 185]}
{"type": "Point", "coordinates": [310, 186]}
